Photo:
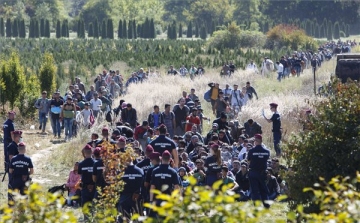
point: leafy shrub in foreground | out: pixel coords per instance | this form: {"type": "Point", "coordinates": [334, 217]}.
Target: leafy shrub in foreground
{"type": "Point", "coordinates": [330, 147]}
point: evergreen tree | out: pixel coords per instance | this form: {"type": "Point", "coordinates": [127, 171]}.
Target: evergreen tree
{"type": "Point", "coordinates": [110, 29]}
{"type": "Point", "coordinates": [130, 29]}
{"type": "Point", "coordinates": [203, 32]}
{"type": "Point", "coordinates": [139, 31]}
{"type": "Point", "coordinates": [96, 29]}
{"type": "Point", "coordinates": [82, 29]}
{"type": "Point", "coordinates": [67, 28]}
{"type": "Point", "coordinates": [336, 30]}
{"type": "Point", "coordinates": [8, 28]}
{"type": "Point", "coordinates": [47, 73]}
{"type": "Point", "coordinates": [152, 29]}
{"type": "Point", "coordinates": [91, 30]}
{"type": "Point", "coordinates": [2, 27]}
{"type": "Point", "coordinates": [120, 30]}
{"type": "Point", "coordinates": [189, 33]}
{"type": "Point", "coordinates": [36, 29]}
{"type": "Point", "coordinates": [169, 32]}
{"type": "Point", "coordinates": [134, 29]}
{"type": "Point", "coordinates": [146, 29]}
{"type": "Point", "coordinates": [31, 29]}
{"type": "Point", "coordinates": [173, 33]}
{"type": "Point", "coordinates": [124, 32]}
{"type": "Point", "coordinates": [180, 30]}
{"type": "Point", "coordinates": [196, 30]}
{"type": "Point", "coordinates": [15, 28]}
{"type": "Point", "coordinates": [78, 34]}
{"type": "Point", "coordinates": [47, 29]}
{"type": "Point", "coordinates": [103, 30]}
{"type": "Point", "coordinates": [63, 29]}
{"type": "Point", "coordinates": [58, 29]}
{"type": "Point", "coordinates": [213, 27]}
{"type": "Point", "coordinates": [42, 28]}
{"type": "Point", "coordinates": [22, 30]}
{"type": "Point", "coordinates": [13, 78]}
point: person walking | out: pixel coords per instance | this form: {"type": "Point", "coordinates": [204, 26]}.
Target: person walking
{"type": "Point", "coordinates": [163, 178]}
{"type": "Point", "coordinates": [56, 105]}
{"type": "Point", "coordinates": [88, 186]}
{"type": "Point", "coordinates": [21, 167]}
{"type": "Point", "coordinates": [169, 120]}
{"type": "Point", "coordinates": [276, 127]}
{"type": "Point", "coordinates": [8, 128]}
{"type": "Point", "coordinates": [68, 114]}
{"type": "Point", "coordinates": [258, 157]}
{"type": "Point", "coordinates": [43, 105]}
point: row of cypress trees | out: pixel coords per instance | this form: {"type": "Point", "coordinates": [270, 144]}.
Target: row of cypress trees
{"type": "Point", "coordinates": [16, 28]}
{"type": "Point", "coordinates": [126, 29]}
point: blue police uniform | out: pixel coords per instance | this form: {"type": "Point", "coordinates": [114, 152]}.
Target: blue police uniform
{"type": "Point", "coordinates": [145, 165]}
{"type": "Point", "coordinates": [12, 149]}
{"type": "Point", "coordinates": [276, 129]}
{"type": "Point", "coordinates": [20, 164]}
{"type": "Point", "coordinates": [85, 169]}
{"type": "Point", "coordinates": [164, 178]}
{"type": "Point", "coordinates": [213, 170]}
{"type": "Point", "coordinates": [258, 157]}
{"type": "Point", "coordinates": [162, 143]}
{"type": "Point", "coordinates": [8, 127]}
{"type": "Point", "coordinates": [133, 178]}
{"type": "Point", "coordinates": [98, 169]}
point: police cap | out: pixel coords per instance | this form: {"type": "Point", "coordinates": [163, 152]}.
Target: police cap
{"type": "Point", "coordinates": [166, 154]}
{"type": "Point", "coordinates": [154, 155]}
{"type": "Point", "coordinates": [17, 132]}
{"type": "Point", "coordinates": [149, 149]}
{"type": "Point", "coordinates": [273, 105]}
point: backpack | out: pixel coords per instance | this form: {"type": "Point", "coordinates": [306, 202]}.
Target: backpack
{"type": "Point", "coordinates": [108, 116]}
{"type": "Point", "coordinates": [207, 96]}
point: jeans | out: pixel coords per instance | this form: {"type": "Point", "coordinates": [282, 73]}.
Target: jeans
{"type": "Point", "coordinates": [179, 130]}
{"type": "Point", "coordinates": [56, 125]}
{"type": "Point", "coordinates": [286, 72]}
{"type": "Point", "coordinates": [96, 113]}
{"type": "Point", "coordinates": [259, 190]}
{"type": "Point", "coordinates": [277, 138]}
{"type": "Point", "coordinates": [280, 74]}
{"type": "Point", "coordinates": [68, 123]}
{"type": "Point", "coordinates": [43, 116]}
{"type": "Point", "coordinates": [298, 70]}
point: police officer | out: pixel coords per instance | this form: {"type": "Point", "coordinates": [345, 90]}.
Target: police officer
{"type": "Point", "coordinates": [97, 174]}
{"type": "Point", "coordinates": [163, 178]}
{"type": "Point", "coordinates": [8, 128]}
{"type": "Point", "coordinates": [155, 162]}
{"type": "Point", "coordinates": [258, 157]}
{"type": "Point", "coordinates": [145, 164]}
{"type": "Point", "coordinates": [133, 178]}
{"type": "Point", "coordinates": [276, 127]}
{"type": "Point", "coordinates": [87, 184]}
{"type": "Point", "coordinates": [21, 168]}
{"type": "Point", "coordinates": [12, 149]}
{"type": "Point", "coordinates": [163, 143]}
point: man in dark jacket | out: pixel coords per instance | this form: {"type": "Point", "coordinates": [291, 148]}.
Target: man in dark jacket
{"type": "Point", "coordinates": [252, 128]}
{"type": "Point", "coordinates": [155, 118]}
{"type": "Point", "coordinates": [129, 115]}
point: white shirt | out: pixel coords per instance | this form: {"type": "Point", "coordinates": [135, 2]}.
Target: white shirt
{"type": "Point", "coordinates": [252, 67]}
{"type": "Point", "coordinates": [280, 68]}
{"type": "Point", "coordinates": [95, 104]}
{"type": "Point", "coordinates": [86, 115]}
{"type": "Point", "coordinates": [235, 98]}
{"type": "Point", "coordinates": [227, 92]}
{"type": "Point", "coordinates": [241, 154]}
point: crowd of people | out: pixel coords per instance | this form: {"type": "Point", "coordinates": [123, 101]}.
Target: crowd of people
{"type": "Point", "coordinates": [170, 144]}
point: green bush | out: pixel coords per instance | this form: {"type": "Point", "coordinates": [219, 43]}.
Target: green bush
{"type": "Point", "coordinates": [330, 147]}
{"type": "Point", "coordinates": [290, 37]}
{"type": "Point", "coordinates": [233, 37]}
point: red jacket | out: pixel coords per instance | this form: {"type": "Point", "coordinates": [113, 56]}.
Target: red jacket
{"type": "Point", "coordinates": [139, 132]}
